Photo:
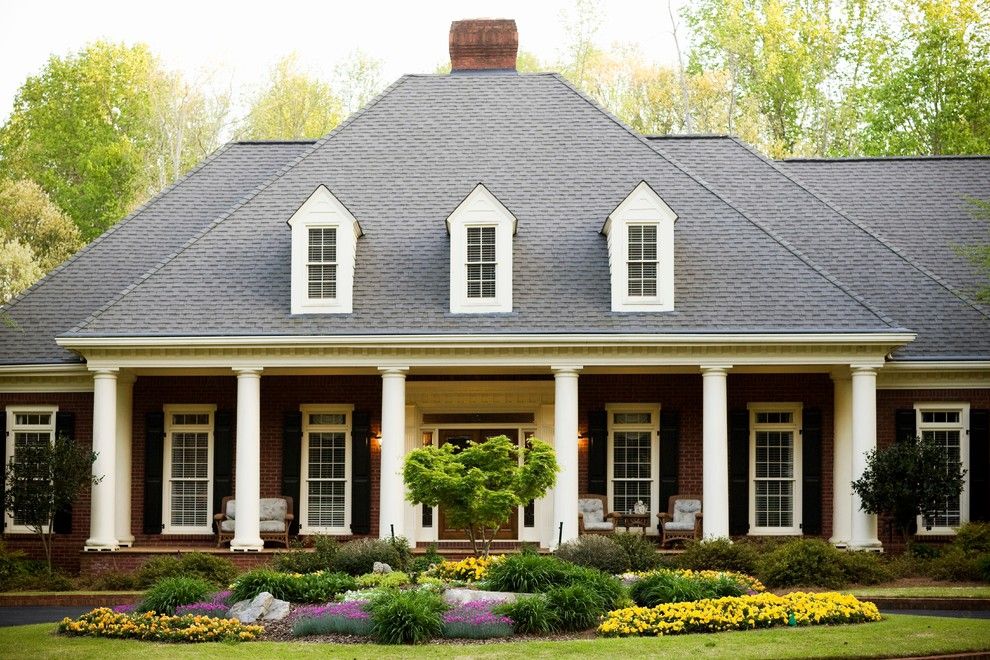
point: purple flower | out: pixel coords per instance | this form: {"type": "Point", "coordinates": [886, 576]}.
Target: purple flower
{"type": "Point", "coordinates": [350, 609]}
{"type": "Point", "coordinates": [478, 613]}
{"type": "Point", "coordinates": [218, 610]}
{"type": "Point", "coordinates": [124, 609]}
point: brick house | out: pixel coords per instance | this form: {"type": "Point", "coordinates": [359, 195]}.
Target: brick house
{"type": "Point", "coordinates": [488, 252]}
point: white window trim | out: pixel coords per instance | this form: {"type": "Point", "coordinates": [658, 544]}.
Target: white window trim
{"type": "Point", "coordinates": [173, 409]}
{"type": "Point", "coordinates": [963, 427]}
{"type": "Point", "coordinates": [796, 425]}
{"type": "Point", "coordinates": [347, 427]}
{"type": "Point", "coordinates": [481, 209]}
{"type": "Point", "coordinates": [8, 452]}
{"type": "Point", "coordinates": [323, 210]}
{"type": "Point", "coordinates": [654, 428]}
{"type": "Point", "coordinates": [643, 206]}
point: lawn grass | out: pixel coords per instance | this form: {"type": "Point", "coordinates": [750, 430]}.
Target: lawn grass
{"type": "Point", "coordinates": [898, 635]}
{"type": "Point", "coordinates": [922, 592]}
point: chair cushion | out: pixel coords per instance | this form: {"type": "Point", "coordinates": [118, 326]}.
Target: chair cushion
{"type": "Point", "coordinates": [593, 512]}
{"type": "Point", "coordinates": [226, 525]}
{"type": "Point", "coordinates": [230, 509]}
{"type": "Point", "coordinates": [272, 508]}
{"type": "Point", "coordinates": [684, 512]}
{"type": "Point", "coordinates": [271, 526]}
{"type": "Point", "coordinates": [679, 526]}
{"type": "Point", "coordinates": [608, 525]}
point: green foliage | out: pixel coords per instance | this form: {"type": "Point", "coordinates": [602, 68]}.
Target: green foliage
{"type": "Point", "coordinates": [908, 479]}
{"type": "Point", "coordinates": [719, 555]}
{"type": "Point", "coordinates": [430, 558]}
{"type": "Point", "coordinates": [359, 556]}
{"type": "Point", "coordinates": [958, 566]}
{"type": "Point", "coordinates": [594, 551]}
{"type": "Point", "coordinates": [306, 588]}
{"type": "Point", "coordinates": [292, 106]}
{"type": "Point", "coordinates": [607, 590]}
{"type": "Point", "coordinates": [300, 560]}
{"type": "Point", "coordinates": [807, 562]}
{"type": "Point", "coordinates": [973, 537]}
{"type": "Point", "coordinates": [865, 568]}
{"type": "Point", "coordinates": [108, 581]}
{"type": "Point", "coordinates": [575, 606]}
{"type": "Point", "coordinates": [387, 580]}
{"type": "Point", "coordinates": [528, 573]}
{"type": "Point", "coordinates": [12, 564]}
{"type": "Point", "coordinates": [641, 552]}
{"type": "Point", "coordinates": [531, 615]}
{"type": "Point", "coordinates": [670, 587]}
{"type": "Point", "coordinates": [168, 593]}
{"type": "Point", "coordinates": [481, 485]}
{"type": "Point", "coordinates": [216, 570]}
{"type": "Point", "coordinates": [406, 617]}
{"type": "Point", "coordinates": [402, 551]}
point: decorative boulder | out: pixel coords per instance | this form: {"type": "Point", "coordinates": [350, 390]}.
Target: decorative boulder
{"type": "Point", "coordinates": [249, 611]}
{"type": "Point", "coordinates": [278, 610]}
{"type": "Point", "coordinates": [381, 567]}
{"type": "Point", "coordinates": [462, 596]}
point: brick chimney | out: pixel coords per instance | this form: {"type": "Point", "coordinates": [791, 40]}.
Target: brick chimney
{"type": "Point", "coordinates": [483, 44]}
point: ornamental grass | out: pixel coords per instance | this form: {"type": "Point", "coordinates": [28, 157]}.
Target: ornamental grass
{"type": "Point", "coordinates": [104, 622]}
{"type": "Point", "coordinates": [738, 613]}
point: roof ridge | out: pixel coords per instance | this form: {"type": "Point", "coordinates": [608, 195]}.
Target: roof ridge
{"type": "Point", "coordinates": [866, 230]}
{"type": "Point", "coordinates": [120, 223]}
{"type": "Point", "coordinates": [881, 159]}
{"type": "Point", "coordinates": [687, 136]}
{"type": "Point", "coordinates": [230, 210]}
{"type": "Point", "coordinates": [831, 279]}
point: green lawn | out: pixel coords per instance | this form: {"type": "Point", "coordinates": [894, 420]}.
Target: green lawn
{"type": "Point", "coordinates": [898, 635]}
{"type": "Point", "coordinates": [922, 592]}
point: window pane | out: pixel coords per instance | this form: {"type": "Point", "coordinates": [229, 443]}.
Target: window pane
{"type": "Point", "coordinates": [632, 418]}
{"type": "Point", "coordinates": [481, 244]}
{"type": "Point", "coordinates": [774, 504]}
{"type": "Point", "coordinates": [950, 443]}
{"type": "Point", "coordinates": [190, 507]}
{"type": "Point", "coordinates": [642, 261]}
{"type": "Point", "coordinates": [632, 465]}
{"type": "Point", "coordinates": [323, 244]}
{"type": "Point", "coordinates": [326, 456]}
{"type": "Point", "coordinates": [190, 419]}
{"type": "Point", "coordinates": [774, 417]}
{"type": "Point", "coordinates": [190, 455]}
{"type": "Point", "coordinates": [940, 416]}
{"type": "Point", "coordinates": [325, 506]}
{"type": "Point", "coordinates": [338, 419]}
{"type": "Point", "coordinates": [32, 419]}
{"type": "Point", "coordinates": [26, 444]}
{"type": "Point", "coordinates": [481, 280]}
{"type": "Point", "coordinates": [322, 281]}
{"type": "Point", "coordinates": [774, 454]}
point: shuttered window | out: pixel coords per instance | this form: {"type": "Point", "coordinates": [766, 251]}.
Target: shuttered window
{"type": "Point", "coordinates": [632, 466]}
{"type": "Point", "coordinates": [947, 427]}
{"type": "Point", "coordinates": [326, 471]}
{"type": "Point", "coordinates": [188, 486]}
{"type": "Point", "coordinates": [26, 430]}
{"type": "Point", "coordinates": [321, 263]}
{"type": "Point", "coordinates": [481, 262]}
{"type": "Point", "coordinates": [775, 464]}
{"type": "Point", "coordinates": [642, 261]}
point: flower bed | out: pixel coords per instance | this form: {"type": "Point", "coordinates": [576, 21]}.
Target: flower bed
{"type": "Point", "coordinates": [748, 582]}
{"type": "Point", "coordinates": [217, 606]}
{"type": "Point", "coordinates": [104, 622]}
{"type": "Point", "coordinates": [344, 618]}
{"type": "Point", "coordinates": [470, 569]}
{"type": "Point", "coordinates": [737, 613]}
{"type": "Point", "coordinates": [476, 621]}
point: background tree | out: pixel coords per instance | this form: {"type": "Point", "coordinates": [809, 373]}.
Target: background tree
{"type": "Point", "coordinates": [357, 79]}
{"type": "Point", "coordinates": [42, 479]}
{"type": "Point", "coordinates": [293, 106]}
{"type": "Point", "coordinates": [908, 479]}
{"type": "Point", "coordinates": [980, 254]}
{"type": "Point", "coordinates": [480, 486]}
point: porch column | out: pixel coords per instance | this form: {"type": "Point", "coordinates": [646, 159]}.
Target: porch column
{"type": "Point", "coordinates": [392, 489]}
{"type": "Point", "coordinates": [864, 439]}
{"type": "Point", "coordinates": [125, 408]}
{"type": "Point", "coordinates": [842, 461]}
{"type": "Point", "coordinates": [102, 535]}
{"type": "Point", "coordinates": [247, 484]}
{"type": "Point", "coordinates": [565, 443]}
{"type": "Point", "coordinates": [715, 453]}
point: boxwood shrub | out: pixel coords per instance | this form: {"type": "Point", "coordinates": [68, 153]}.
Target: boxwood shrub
{"type": "Point", "coordinates": [406, 617]}
{"type": "Point", "coordinates": [305, 588]}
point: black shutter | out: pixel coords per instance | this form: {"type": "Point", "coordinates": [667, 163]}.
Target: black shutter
{"type": "Point", "coordinates": [979, 465]}
{"type": "Point", "coordinates": [223, 457]}
{"type": "Point", "coordinates": [597, 452]}
{"type": "Point", "coordinates": [738, 472]}
{"type": "Point", "coordinates": [292, 461]}
{"type": "Point", "coordinates": [670, 438]}
{"type": "Point", "coordinates": [154, 456]}
{"type": "Point", "coordinates": [905, 425]}
{"type": "Point", "coordinates": [361, 473]}
{"type": "Point", "coordinates": [65, 426]}
{"type": "Point", "coordinates": [811, 472]}
{"type": "Point", "coordinates": [3, 467]}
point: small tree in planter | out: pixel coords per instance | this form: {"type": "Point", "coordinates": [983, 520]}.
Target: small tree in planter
{"type": "Point", "coordinates": [44, 478]}
{"type": "Point", "coordinates": [481, 485]}
{"type": "Point", "coordinates": [908, 479]}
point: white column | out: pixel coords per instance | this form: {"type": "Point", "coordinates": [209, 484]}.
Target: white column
{"type": "Point", "coordinates": [392, 489]}
{"type": "Point", "coordinates": [715, 453]}
{"type": "Point", "coordinates": [864, 440]}
{"type": "Point", "coordinates": [102, 535]}
{"type": "Point", "coordinates": [125, 410]}
{"type": "Point", "coordinates": [842, 461]}
{"type": "Point", "coordinates": [247, 485]}
{"type": "Point", "coordinates": [565, 443]}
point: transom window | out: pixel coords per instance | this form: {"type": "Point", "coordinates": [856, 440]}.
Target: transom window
{"type": "Point", "coordinates": [775, 468]}
{"type": "Point", "coordinates": [947, 427]}
{"type": "Point", "coordinates": [633, 485]}
{"type": "Point", "coordinates": [321, 263]}
{"type": "Point", "coordinates": [188, 470]}
{"type": "Point", "coordinates": [642, 262]}
{"type": "Point", "coordinates": [326, 471]}
{"type": "Point", "coordinates": [481, 262]}
{"type": "Point", "coordinates": [26, 429]}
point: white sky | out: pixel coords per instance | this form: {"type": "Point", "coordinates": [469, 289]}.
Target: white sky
{"type": "Point", "coordinates": [238, 42]}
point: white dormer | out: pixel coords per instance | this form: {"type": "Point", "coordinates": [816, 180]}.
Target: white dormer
{"type": "Point", "coordinates": [481, 231]}
{"type": "Point", "coordinates": [324, 243]}
{"type": "Point", "coordinates": [640, 235]}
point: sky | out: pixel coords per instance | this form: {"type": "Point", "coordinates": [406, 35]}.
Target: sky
{"type": "Point", "coordinates": [235, 44]}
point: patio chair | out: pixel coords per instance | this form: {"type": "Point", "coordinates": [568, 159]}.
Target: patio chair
{"type": "Point", "coordinates": [682, 519]}
{"type": "Point", "coordinates": [592, 516]}
{"type": "Point", "coordinates": [275, 517]}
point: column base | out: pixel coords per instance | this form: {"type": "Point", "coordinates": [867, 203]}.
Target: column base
{"type": "Point", "coordinates": [841, 544]}
{"type": "Point", "coordinates": [247, 546]}
{"type": "Point", "coordinates": [94, 545]}
{"type": "Point", "coordinates": [126, 542]}
{"type": "Point", "coordinates": [872, 545]}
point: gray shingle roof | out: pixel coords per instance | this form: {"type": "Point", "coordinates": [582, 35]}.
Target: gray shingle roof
{"type": "Point", "coordinates": [100, 271]}
{"type": "Point", "coordinates": [554, 159]}
{"type": "Point", "coordinates": [854, 250]}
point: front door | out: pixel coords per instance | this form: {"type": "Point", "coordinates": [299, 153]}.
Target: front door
{"type": "Point", "coordinates": [460, 438]}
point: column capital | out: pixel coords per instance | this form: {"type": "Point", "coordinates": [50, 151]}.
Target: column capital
{"type": "Point", "coordinates": [393, 372]}
{"type": "Point", "coordinates": [247, 372]}
{"type": "Point", "coordinates": [565, 370]}
{"type": "Point", "coordinates": [105, 372]}
{"type": "Point", "coordinates": [714, 369]}
{"type": "Point", "coordinates": [866, 369]}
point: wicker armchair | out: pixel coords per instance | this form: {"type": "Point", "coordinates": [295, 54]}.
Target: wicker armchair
{"type": "Point", "coordinates": [275, 518]}
{"type": "Point", "coordinates": [682, 519]}
{"type": "Point", "coordinates": [592, 516]}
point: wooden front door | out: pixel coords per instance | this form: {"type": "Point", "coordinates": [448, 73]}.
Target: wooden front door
{"type": "Point", "coordinates": [460, 438]}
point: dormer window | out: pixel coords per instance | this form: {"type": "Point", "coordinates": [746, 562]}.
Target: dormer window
{"type": "Point", "coordinates": [640, 234]}
{"type": "Point", "coordinates": [324, 245]}
{"type": "Point", "coordinates": [481, 231]}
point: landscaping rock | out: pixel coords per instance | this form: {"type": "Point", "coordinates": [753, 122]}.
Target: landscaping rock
{"type": "Point", "coordinates": [381, 567]}
{"type": "Point", "coordinates": [461, 596]}
{"type": "Point", "coordinates": [249, 611]}
{"type": "Point", "coordinates": [278, 610]}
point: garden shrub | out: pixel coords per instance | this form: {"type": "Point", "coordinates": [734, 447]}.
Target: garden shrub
{"type": "Point", "coordinates": [973, 538]}
{"type": "Point", "coordinates": [530, 615]}
{"type": "Point", "coordinates": [956, 565]}
{"type": "Point", "coordinates": [606, 589]}
{"type": "Point", "coordinates": [592, 551]}
{"type": "Point", "coordinates": [426, 561]}
{"type": "Point", "coordinates": [214, 569]}
{"type": "Point", "coordinates": [923, 550]}
{"type": "Point", "coordinates": [39, 579]}
{"type": "Point", "coordinates": [475, 620]}
{"type": "Point", "coordinates": [345, 618]}
{"type": "Point", "coordinates": [393, 579]}
{"type": "Point", "coordinates": [406, 617]}
{"type": "Point", "coordinates": [403, 551]}
{"type": "Point", "coordinates": [304, 588]}
{"type": "Point", "coordinates": [576, 606]}
{"type": "Point", "coordinates": [13, 563]}
{"type": "Point", "coordinates": [641, 552]}
{"type": "Point", "coordinates": [865, 567]}
{"type": "Point", "coordinates": [108, 581]}
{"type": "Point", "coordinates": [358, 557]}
{"type": "Point", "coordinates": [168, 593]}
{"type": "Point", "coordinates": [104, 622]}
{"type": "Point", "coordinates": [719, 555]}
{"type": "Point", "coordinates": [528, 573]}
{"type": "Point", "coordinates": [301, 560]}
{"type": "Point", "coordinates": [666, 587]}
{"type": "Point", "coordinates": [802, 562]}
{"type": "Point", "coordinates": [469, 569]}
